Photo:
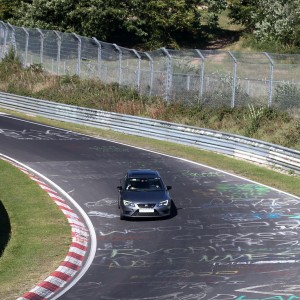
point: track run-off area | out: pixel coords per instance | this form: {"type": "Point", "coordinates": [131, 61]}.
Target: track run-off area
{"type": "Point", "coordinates": [230, 238]}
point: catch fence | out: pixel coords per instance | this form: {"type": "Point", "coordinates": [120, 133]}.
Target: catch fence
{"type": "Point", "coordinates": [208, 77]}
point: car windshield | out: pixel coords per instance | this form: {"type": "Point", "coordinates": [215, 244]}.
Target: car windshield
{"type": "Point", "coordinates": [144, 184]}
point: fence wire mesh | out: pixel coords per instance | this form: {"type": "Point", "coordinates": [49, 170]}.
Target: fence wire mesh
{"type": "Point", "coordinates": [206, 77]}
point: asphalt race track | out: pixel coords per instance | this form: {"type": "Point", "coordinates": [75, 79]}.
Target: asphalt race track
{"type": "Point", "coordinates": [228, 239]}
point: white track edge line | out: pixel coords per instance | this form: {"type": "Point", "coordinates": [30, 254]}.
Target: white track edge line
{"type": "Point", "coordinates": [90, 226]}
{"type": "Point", "coordinates": [156, 152]}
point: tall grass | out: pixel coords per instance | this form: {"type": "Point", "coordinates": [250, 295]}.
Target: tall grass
{"type": "Point", "coordinates": [271, 125]}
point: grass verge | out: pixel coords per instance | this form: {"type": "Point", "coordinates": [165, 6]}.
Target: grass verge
{"type": "Point", "coordinates": [35, 220]}
{"type": "Point", "coordinates": [34, 249]}
{"type": "Point", "coordinates": [271, 125]}
{"type": "Point", "coordinates": [273, 178]}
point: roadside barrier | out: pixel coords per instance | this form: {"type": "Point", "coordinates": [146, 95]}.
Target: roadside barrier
{"type": "Point", "coordinates": [252, 150]}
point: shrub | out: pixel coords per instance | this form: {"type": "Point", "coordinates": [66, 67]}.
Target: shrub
{"type": "Point", "coordinates": [287, 96]}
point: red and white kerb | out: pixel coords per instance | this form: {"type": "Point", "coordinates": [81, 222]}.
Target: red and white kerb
{"type": "Point", "coordinates": [77, 251]}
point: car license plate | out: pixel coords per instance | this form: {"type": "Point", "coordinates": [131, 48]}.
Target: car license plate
{"type": "Point", "coordinates": [146, 210]}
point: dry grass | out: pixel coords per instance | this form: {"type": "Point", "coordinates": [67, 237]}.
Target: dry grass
{"type": "Point", "coordinates": [272, 126]}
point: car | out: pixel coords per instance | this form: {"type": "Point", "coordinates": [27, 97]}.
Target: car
{"type": "Point", "coordinates": [143, 194]}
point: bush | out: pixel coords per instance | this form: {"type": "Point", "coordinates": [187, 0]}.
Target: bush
{"type": "Point", "coordinates": [287, 96]}
{"type": "Point", "coordinates": [219, 92]}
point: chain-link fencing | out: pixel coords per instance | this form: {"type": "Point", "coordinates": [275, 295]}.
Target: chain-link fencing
{"type": "Point", "coordinates": [207, 77]}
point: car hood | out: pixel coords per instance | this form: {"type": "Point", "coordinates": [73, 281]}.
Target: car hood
{"type": "Point", "coordinates": [145, 197]}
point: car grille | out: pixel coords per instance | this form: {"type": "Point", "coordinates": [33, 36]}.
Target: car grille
{"type": "Point", "coordinates": [151, 205]}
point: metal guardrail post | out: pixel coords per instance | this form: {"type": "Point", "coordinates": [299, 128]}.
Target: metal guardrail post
{"type": "Point", "coordinates": [58, 51]}
{"type": "Point", "coordinates": [42, 37]}
{"type": "Point", "coordinates": [99, 56]}
{"type": "Point", "coordinates": [233, 79]}
{"type": "Point", "coordinates": [78, 68]}
{"type": "Point", "coordinates": [151, 63]}
{"type": "Point", "coordinates": [202, 73]}
{"type": "Point", "coordinates": [139, 69]}
{"type": "Point", "coordinates": [271, 79]}
{"type": "Point", "coordinates": [26, 46]}
{"type": "Point", "coordinates": [169, 74]}
{"type": "Point", "coordinates": [120, 62]}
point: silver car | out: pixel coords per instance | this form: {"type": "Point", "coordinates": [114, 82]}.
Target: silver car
{"type": "Point", "coordinates": [144, 194]}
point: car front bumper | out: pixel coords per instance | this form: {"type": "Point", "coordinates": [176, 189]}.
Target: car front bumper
{"type": "Point", "coordinates": [158, 212]}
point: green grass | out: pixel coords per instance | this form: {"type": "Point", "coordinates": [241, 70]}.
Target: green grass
{"type": "Point", "coordinates": [35, 220]}
{"type": "Point", "coordinates": [110, 97]}
{"type": "Point", "coordinates": [35, 248]}
{"type": "Point", "coordinates": [274, 178]}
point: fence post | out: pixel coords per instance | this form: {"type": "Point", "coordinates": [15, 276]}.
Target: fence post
{"type": "Point", "coordinates": [3, 50]}
{"type": "Point", "coordinates": [58, 51]}
{"type": "Point", "coordinates": [202, 73]}
{"type": "Point", "coordinates": [139, 69]}
{"type": "Point", "coordinates": [13, 39]}
{"type": "Point", "coordinates": [233, 79]}
{"type": "Point", "coordinates": [78, 68]}
{"type": "Point", "coordinates": [41, 45]}
{"type": "Point", "coordinates": [151, 72]}
{"type": "Point", "coordinates": [169, 74]}
{"type": "Point", "coordinates": [26, 46]}
{"type": "Point", "coordinates": [271, 79]}
{"type": "Point", "coordinates": [120, 62]}
{"type": "Point", "coordinates": [99, 56]}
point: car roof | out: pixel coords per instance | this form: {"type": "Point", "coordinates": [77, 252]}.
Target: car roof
{"type": "Point", "coordinates": [142, 173]}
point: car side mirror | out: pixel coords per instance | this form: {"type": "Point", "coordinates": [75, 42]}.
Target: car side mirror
{"type": "Point", "coordinates": [169, 187]}
{"type": "Point", "coordinates": [119, 188]}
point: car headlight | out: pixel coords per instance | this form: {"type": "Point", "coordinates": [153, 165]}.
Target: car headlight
{"type": "Point", "coordinates": [128, 203]}
{"type": "Point", "coordinates": [164, 203]}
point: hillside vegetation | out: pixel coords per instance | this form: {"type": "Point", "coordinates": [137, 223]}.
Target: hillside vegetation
{"type": "Point", "coordinates": [255, 122]}
{"type": "Point", "coordinates": [239, 25]}
{"type": "Point", "coordinates": [242, 25]}
{"type": "Point", "coordinates": [264, 25]}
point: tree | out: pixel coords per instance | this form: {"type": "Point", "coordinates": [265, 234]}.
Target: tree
{"type": "Point", "coordinates": [269, 20]}
{"type": "Point", "coordinates": [278, 21]}
{"type": "Point", "coordinates": [243, 12]}
{"type": "Point", "coordinates": [151, 22]}
{"type": "Point", "coordinates": [9, 7]}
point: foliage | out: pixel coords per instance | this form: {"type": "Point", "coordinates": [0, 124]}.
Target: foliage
{"type": "Point", "coordinates": [110, 97]}
{"type": "Point", "coordinates": [221, 91]}
{"type": "Point", "coordinates": [242, 11]}
{"type": "Point", "coordinates": [10, 56]}
{"type": "Point", "coordinates": [9, 65]}
{"type": "Point", "coordinates": [153, 22]}
{"type": "Point", "coordinates": [269, 20]}
{"type": "Point", "coordinates": [253, 117]}
{"type": "Point", "coordinates": [8, 8]}
{"type": "Point", "coordinates": [287, 95]}
{"type": "Point", "coordinates": [278, 20]}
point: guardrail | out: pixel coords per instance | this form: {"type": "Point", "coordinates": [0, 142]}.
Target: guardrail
{"type": "Point", "coordinates": [233, 145]}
